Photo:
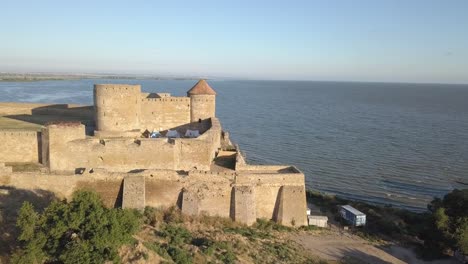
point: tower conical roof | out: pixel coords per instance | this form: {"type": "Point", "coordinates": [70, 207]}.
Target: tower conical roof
{"type": "Point", "coordinates": [201, 87]}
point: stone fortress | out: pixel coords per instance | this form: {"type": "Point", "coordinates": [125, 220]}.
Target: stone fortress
{"type": "Point", "coordinates": [125, 147]}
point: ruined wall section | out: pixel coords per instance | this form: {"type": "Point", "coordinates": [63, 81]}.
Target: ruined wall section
{"type": "Point", "coordinates": [117, 107]}
{"type": "Point", "coordinates": [19, 146]}
{"type": "Point", "coordinates": [164, 113]}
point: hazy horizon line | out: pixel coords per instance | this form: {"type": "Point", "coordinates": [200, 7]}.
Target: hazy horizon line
{"type": "Point", "coordinates": [214, 77]}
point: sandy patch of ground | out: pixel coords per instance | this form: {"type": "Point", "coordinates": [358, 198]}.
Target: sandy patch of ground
{"type": "Point", "coordinates": [336, 246]}
{"type": "Point", "coordinates": [339, 245]}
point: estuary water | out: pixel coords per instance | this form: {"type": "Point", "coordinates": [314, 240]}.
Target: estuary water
{"type": "Point", "coordinates": [399, 144]}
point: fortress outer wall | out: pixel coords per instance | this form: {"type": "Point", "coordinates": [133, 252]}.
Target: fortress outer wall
{"type": "Point", "coordinates": [164, 113]}
{"type": "Point", "coordinates": [19, 146]}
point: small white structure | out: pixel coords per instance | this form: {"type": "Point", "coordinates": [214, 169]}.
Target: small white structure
{"type": "Point", "coordinates": [318, 220]}
{"type": "Point", "coordinates": [308, 211]}
{"type": "Point", "coordinates": [353, 215]}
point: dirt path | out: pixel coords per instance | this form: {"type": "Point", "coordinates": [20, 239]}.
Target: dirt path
{"type": "Point", "coordinates": [336, 246]}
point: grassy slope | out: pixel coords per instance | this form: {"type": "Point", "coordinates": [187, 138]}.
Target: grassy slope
{"type": "Point", "coordinates": [168, 236]}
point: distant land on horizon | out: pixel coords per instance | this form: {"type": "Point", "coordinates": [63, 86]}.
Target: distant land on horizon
{"type": "Point", "coordinates": [60, 76]}
{"type": "Point", "coordinates": [33, 76]}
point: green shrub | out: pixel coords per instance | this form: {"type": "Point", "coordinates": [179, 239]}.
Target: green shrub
{"type": "Point", "coordinates": [173, 215]}
{"type": "Point", "coordinates": [227, 256]}
{"type": "Point", "coordinates": [160, 250]}
{"type": "Point", "coordinates": [81, 231]}
{"type": "Point", "coordinates": [217, 221]}
{"type": "Point", "coordinates": [177, 235]}
{"type": "Point", "coordinates": [249, 232]}
{"type": "Point", "coordinates": [280, 251]}
{"type": "Point", "coordinates": [269, 225]}
{"type": "Point", "coordinates": [449, 221]}
{"type": "Point", "coordinates": [179, 255]}
{"type": "Point", "coordinates": [154, 216]}
{"type": "Point", "coordinates": [223, 251]}
{"type": "Point", "coordinates": [205, 244]}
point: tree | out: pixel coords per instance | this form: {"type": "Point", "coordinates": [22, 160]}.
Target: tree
{"type": "Point", "coordinates": [81, 231]}
{"type": "Point", "coordinates": [450, 219]}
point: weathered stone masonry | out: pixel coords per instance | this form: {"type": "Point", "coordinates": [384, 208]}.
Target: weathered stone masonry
{"type": "Point", "coordinates": [132, 171]}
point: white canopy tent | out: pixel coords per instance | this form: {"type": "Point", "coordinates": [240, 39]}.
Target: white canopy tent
{"type": "Point", "coordinates": [192, 133]}
{"type": "Point", "coordinates": [172, 134]}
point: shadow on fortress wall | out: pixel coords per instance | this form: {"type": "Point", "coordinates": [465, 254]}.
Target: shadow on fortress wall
{"type": "Point", "coordinates": [59, 112]}
{"type": "Point", "coordinates": [11, 200]}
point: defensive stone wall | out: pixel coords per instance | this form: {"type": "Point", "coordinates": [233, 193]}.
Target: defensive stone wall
{"type": "Point", "coordinates": [55, 147]}
{"type": "Point", "coordinates": [228, 194]}
{"type": "Point", "coordinates": [164, 113]}
{"type": "Point", "coordinates": [69, 149]}
{"type": "Point", "coordinates": [5, 169]}
{"type": "Point", "coordinates": [19, 146]}
{"type": "Point", "coordinates": [244, 206]}
{"type": "Point", "coordinates": [267, 187]}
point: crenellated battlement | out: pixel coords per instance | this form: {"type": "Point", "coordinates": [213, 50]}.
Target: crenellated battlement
{"type": "Point", "coordinates": [117, 87]}
{"type": "Point", "coordinates": [18, 133]}
{"type": "Point", "coordinates": [167, 99]}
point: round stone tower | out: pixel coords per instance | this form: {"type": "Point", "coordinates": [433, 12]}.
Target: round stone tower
{"type": "Point", "coordinates": [202, 101]}
{"type": "Point", "coordinates": [117, 107]}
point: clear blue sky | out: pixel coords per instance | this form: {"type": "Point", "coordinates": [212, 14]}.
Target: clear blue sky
{"type": "Point", "coordinates": [415, 41]}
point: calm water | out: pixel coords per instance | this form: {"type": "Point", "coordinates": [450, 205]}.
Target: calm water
{"type": "Point", "coordinates": [385, 143]}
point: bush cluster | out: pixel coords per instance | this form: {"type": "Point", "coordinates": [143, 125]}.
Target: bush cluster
{"type": "Point", "coordinates": [80, 231]}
